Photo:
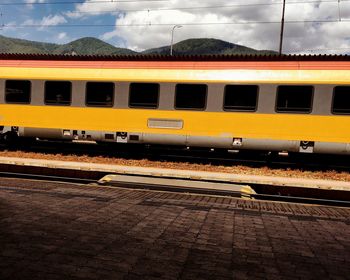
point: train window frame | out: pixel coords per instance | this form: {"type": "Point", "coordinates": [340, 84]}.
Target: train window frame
{"type": "Point", "coordinates": [143, 107]}
{"type": "Point", "coordinates": [242, 110]}
{"type": "Point", "coordinates": [294, 111]}
{"type": "Point", "coordinates": [333, 97]}
{"type": "Point", "coordinates": [191, 109]}
{"type": "Point", "coordinates": [58, 104]}
{"type": "Point", "coordinates": [20, 103]}
{"type": "Point", "coordinates": [96, 105]}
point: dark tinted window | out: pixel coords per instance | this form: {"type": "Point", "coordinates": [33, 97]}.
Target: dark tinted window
{"type": "Point", "coordinates": [240, 97]}
{"type": "Point", "coordinates": [294, 99]}
{"type": "Point", "coordinates": [189, 96]}
{"type": "Point", "coordinates": [99, 94]}
{"type": "Point", "coordinates": [58, 93]}
{"type": "Point", "coordinates": [17, 91]}
{"type": "Point", "coordinates": [144, 95]}
{"type": "Point", "coordinates": [341, 100]}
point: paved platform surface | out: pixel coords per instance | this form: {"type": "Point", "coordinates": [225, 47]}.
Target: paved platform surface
{"type": "Point", "coordinates": [64, 231]}
{"type": "Point", "coordinates": [181, 174]}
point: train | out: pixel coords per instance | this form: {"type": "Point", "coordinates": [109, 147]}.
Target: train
{"type": "Point", "coordinates": [276, 103]}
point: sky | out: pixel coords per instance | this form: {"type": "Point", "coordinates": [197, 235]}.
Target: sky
{"type": "Point", "coordinates": [311, 26]}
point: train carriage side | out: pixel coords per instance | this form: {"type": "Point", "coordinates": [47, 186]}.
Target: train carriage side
{"type": "Point", "coordinates": [293, 106]}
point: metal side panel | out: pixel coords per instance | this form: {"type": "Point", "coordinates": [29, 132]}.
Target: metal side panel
{"type": "Point", "coordinates": [182, 140]}
{"type": "Point", "coordinates": [50, 133]}
{"type": "Point", "coordinates": [66, 134]}
{"type": "Point", "coordinates": [332, 148]}
{"type": "Point", "coordinates": [209, 142]}
{"type": "Point", "coordinates": [269, 145]}
{"type": "Point", "coordinates": [164, 139]}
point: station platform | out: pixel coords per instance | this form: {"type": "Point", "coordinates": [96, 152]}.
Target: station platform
{"type": "Point", "coordinates": [72, 168]}
{"type": "Point", "coordinates": [51, 230]}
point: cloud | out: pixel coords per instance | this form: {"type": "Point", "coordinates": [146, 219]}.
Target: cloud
{"type": "Point", "coordinates": [45, 21]}
{"type": "Point", "coordinates": [142, 25]}
{"type": "Point", "coordinates": [30, 2]}
{"type": "Point", "coordinates": [53, 20]}
{"type": "Point", "coordinates": [9, 27]}
{"type": "Point", "coordinates": [62, 35]}
{"type": "Point", "coordinates": [58, 38]}
{"type": "Point", "coordinates": [34, 1]}
{"type": "Point", "coordinates": [196, 24]}
{"type": "Point", "coordinates": [99, 7]}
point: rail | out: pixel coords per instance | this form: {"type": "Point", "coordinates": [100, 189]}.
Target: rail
{"type": "Point", "coordinates": [189, 186]}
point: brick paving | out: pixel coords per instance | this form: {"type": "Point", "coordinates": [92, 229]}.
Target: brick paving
{"type": "Point", "coordinates": [65, 231]}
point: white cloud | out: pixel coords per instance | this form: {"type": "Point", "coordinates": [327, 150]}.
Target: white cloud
{"type": "Point", "coordinates": [53, 20]}
{"type": "Point", "coordinates": [9, 27]}
{"type": "Point", "coordinates": [155, 22]}
{"type": "Point", "coordinates": [29, 22]}
{"type": "Point", "coordinates": [62, 35]}
{"type": "Point", "coordinates": [34, 1]}
{"type": "Point", "coordinates": [48, 20]}
{"type": "Point", "coordinates": [30, 2]}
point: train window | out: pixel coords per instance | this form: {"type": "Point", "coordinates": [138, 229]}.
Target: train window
{"type": "Point", "coordinates": [296, 99]}
{"type": "Point", "coordinates": [144, 95]}
{"type": "Point", "coordinates": [99, 94]}
{"type": "Point", "coordinates": [58, 93]}
{"type": "Point", "coordinates": [190, 96]}
{"type": "Point", "coordinates": [240, 97]}
{"type": "Point", "coordinates": [341, 100]}
{"type": "Point", "coordinates": [17, 91]}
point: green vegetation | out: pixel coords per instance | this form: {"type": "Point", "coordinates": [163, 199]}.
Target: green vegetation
{"type": "Point", "coordinates": [90, 46]}
{"type": "Point", "coordinates": [84, 46]}
{"type": "Point", "coordinates": [93, 46]}
{"type": "Point", "coordinates": [11, 45]}
{"type": "Point", "coordinates": [206, 47]}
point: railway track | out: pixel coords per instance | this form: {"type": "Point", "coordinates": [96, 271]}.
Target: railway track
{"type": "Point", "coordinates": [265, 192]}
{"type": "Point", "coordinates": [303, 200]}
{"type": "Point", "coordinates": [312, 162]}
{"type": "Point", "coordinates": [41, 177]}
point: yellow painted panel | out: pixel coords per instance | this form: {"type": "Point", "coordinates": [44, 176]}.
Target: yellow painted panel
{"type": "Point", "coordinates": [178, 75]}
{"type": "Point", "coordinates": [251, 125]}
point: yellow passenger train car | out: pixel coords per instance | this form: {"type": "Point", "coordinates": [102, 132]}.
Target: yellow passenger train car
{"type": "Point", "coordinates": [277, 103]}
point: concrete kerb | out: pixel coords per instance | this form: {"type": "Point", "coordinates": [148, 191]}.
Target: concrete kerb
{"type": "Point", "coordinates": [179, 174]}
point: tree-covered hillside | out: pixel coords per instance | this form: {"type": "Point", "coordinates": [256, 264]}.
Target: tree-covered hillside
{"type": "Point", "coordinates": [93, 46]}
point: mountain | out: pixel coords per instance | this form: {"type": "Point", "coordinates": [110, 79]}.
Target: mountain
{"type": "Point", "coordinates": [90, 46]}
{"type": "Point", "coordinates": [11, 45]}
{"type": "Point", "coordinates": [83, 46]}
{"type": "Point", "coordinates": [206, 47]}
{"type": "Point", "coordinates": [93, 46]}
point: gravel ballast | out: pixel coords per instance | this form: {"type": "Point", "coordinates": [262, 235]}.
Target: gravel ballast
{"type": "Point", "coordinates": [234, 169]}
